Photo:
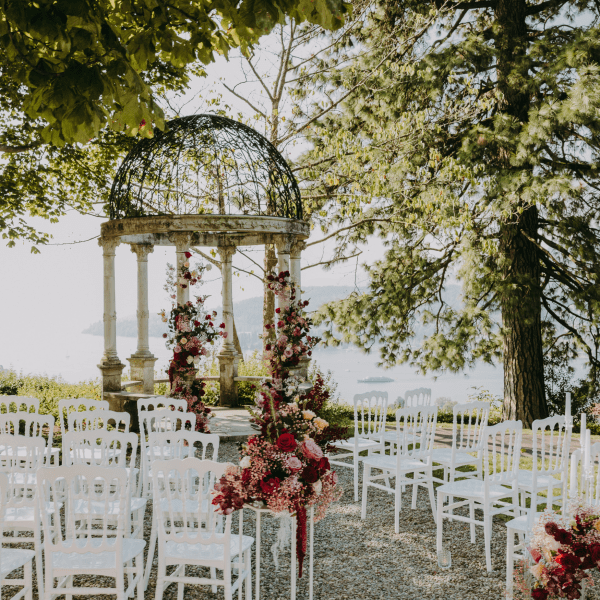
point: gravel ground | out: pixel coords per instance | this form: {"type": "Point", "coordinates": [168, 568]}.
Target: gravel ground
{"type": "Point", "coordinates": [357, 559]}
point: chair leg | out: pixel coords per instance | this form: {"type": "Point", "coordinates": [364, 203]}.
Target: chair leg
{"type": "Point", "coordinates": [487, 536]}
{"type": "Point", "coordinates": [248, 568]}
{"type": "Point", "coordinates": [356, 467]}
{"type": "Point", "coordinates": [160, 581]}
{"type": "Point", "coordinates": [510, 557]}
{"type": "Point", "coordinates": [397, 504]}
{"type": "Point", "coordinates": [440, 522]}
{"type": "Point", "coordinates": [39, 565]}
{"type": "Point", "coordinates": [431, 495]}
{"type": "Point", "coordinates": [28, 577]}
{"type": "Point", "coordinates": [415, 490]}
{"type": "Point", "coordinates": [151, 551]}
{"type": "Point", "coordinates": [213, 575]}
{"type": "Point", "coordinates": [366, 476]}
{"type": "Point", "coordinates": [472, 523]}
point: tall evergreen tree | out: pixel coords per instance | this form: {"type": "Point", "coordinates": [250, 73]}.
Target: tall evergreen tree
{"type": "Point", "coordinates": [474, 154]}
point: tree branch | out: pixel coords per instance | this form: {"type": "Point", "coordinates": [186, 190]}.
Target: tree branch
{"type": "Point", "coordinates": [257, 110]}
{"type": "Point", "coordinates": [16, 149]}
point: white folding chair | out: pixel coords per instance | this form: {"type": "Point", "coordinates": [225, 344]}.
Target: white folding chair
{"type": "Point", "coordinates": [415, 433]}
{"type": "Point", "coordinates": [12, 559]}
{"type": "Point", "coordinates": [99, 419]}
{"type": "Point", "coordinates": [156, 421]}
{"type": "Point", "coordinates": [189, 535]}
{"type": "Point", "coordinates": [501, 454]}
{"type": "Point", "coordinates": [77, 546]}
{"type": "Point", "coordinates": [68, 405]}
{"type": "Point", "coordinates": [418, 397]}
{"type": "Point", "coordinates": [24, 424]}
{"type": "Point", "coordinates": [20, 459]}
{"type": "Point", "coordinates": [180, 444]}
{"type": "Point", "coordinates": [370, 413]}
{"type": "Point", "coordinates": [108, 449]}
{"type": "Point", "coordinates": [468, 422]}
{"type": "Point", "coordinates": [19, 404]}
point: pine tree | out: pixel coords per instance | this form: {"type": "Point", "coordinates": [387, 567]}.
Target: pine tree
{"type": "Point", "coordinates": [474, 154]}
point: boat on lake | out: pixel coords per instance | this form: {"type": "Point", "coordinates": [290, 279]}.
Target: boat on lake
{"type": "Point", "coordinates": [376, 380]}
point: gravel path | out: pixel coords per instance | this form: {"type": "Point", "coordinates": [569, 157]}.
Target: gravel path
{"type": "Point", "coordinates": [357, 560]}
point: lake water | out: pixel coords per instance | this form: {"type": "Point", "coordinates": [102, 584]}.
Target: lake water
{"type": "Point", "coordinates": [74, 356]}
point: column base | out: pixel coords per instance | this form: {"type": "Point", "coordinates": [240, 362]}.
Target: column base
{"type": "Point", "coordinates": [228, 370]}
{"type": "Point", "coordinates": [112, 372]}
{"type": "Point", "coordinates": [142, 369]}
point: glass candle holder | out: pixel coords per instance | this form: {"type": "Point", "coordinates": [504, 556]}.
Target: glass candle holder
{"type": "Point", "coordinates": [444, 559]}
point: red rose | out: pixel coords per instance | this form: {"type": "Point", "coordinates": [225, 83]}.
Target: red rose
{"type": "Point", "coordinates": [196, 323]}
{"type": "Point", "coordinates": [164, 335]}
{"type": "Point", "coordinates": [270, 486]}
{"type": "Point", "coordinates": [222, 325]}
{"type": "Point", "coordinates": [324, 464]}
{"type": "Point", "coordinates": [188, 255]}
{"type": "Point", "coordinates": [286, 442]}
{"type": "Point", "coordinates": [310, 474]}
{"type": "Point", "coordinates": [567, 560]}
{"type": "Point", "coordinates": [280, 324]}
{"type": "Point", "coordinates": [562, 536]}
{"type": "Point", "coordinates": [551, 528]}
{"type": "Point", "coordinates": [594, 550]}
{"type": "Point", "coordinates": [211, 323]}
{"type": "Point", "coordinates": [539, 594]}
{"type": "Point", "coordinates": [277, 310]}
{"type": "Point", "coordinates": [187, 275]}
{"type": "Point", "coordinates": [207, 318]}
{"type": "Point", "coordinates": [267, 347]}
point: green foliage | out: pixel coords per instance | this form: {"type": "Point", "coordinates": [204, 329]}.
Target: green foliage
{"type": "Point", "coordinates": [48, 390]}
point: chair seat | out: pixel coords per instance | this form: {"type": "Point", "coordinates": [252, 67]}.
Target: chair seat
{"type": "Point", "coordinates": [473, 488]}
{"type": "Point", "coordinates": [81, 507]}
{"type": "Point", "coordinates": [444, 456]}
{"type": "Point", "coordinates": [90, 561]}
{"type": "Point", "coordinates": [22, 515]}
{"type": "Point", "coordinates": [520, 523]}
{"type": "Point", "coordinates": [389, 463]}
{"type": "Point", "coordinates": [191, 506]}
{"type": "Point", "coordinates": [543, 481]}
{"type": "Point", "coordinates": [199, 551]}
{"type": "Point", "coordinates": [12, 559]}
{"type": "Point", "coordinates": [167, 452]}
{"type": "Point", "coordinates": [362, 443]}
{"type": "Point", "coordinates": [392, 436]}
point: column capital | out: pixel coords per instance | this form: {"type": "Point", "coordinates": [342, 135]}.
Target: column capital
{"type": "Point", "coordinates": [108, 245]}
{"type": "Point", "coordinates": [226, 252]}
{"type": "Point", "coordinates": [142, 251]}
{"type": "Point", "coordinates": [284, 244]}
{"type": "Point", "coordinates": [296, 249]}
{"type": "Point", "coordinates": [182, 240]}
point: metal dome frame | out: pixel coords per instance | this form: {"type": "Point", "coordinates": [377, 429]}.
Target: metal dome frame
{"type": "Point", "coordinates": [205, 165]}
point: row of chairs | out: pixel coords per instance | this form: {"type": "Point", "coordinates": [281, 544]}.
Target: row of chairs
{"type": "Point", "coordinates": [495, 484]}
{"type": "Point", "coordinates": [170, 436]}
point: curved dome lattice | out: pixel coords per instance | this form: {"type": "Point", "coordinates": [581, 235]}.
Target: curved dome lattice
{"type": "Point", "coordinates": [205, 164]}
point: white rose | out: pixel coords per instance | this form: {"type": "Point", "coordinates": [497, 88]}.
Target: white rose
{"type": "Point", "coordinates": [183, 341]}
{"type": "Point", "coordinates": [245, 462]}
{"type": "Point", "coordinates": [190, 360]}
{"type": "Point", "coordinates": [317, 486]}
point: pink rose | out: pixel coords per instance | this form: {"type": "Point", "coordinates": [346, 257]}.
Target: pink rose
{"type": "Point", "coordinates": [293, 463]}
{"type": "Point", "coordinates": [310, 449]}
{"type": "Point", "coordinates": [288, 352]}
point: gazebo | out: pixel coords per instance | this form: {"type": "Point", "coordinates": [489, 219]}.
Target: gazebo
{"type": "Point", "coordinates": [205, 181]}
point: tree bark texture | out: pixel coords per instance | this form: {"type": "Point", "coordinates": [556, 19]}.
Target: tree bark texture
{"type": "Point", "coordinates": [520, 289]}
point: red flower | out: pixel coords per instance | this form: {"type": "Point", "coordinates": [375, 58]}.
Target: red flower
{"type": "Point", "coordinates": [267, 347]}
{"type": "Point", "coordinates": [222, 325]}
{"type": "Point", "coordinates": [280, 324]}
{"type": "Point", "coordinates": [196, 323]}
{"type": "Point", "coordinates": [539, 594]}
{"type": "Point", "coordinates": [562, 536]}
{"type": "Point", "coordinates": [187, 275]}
{"type": "Point", "coordinates": [310, 474]}
{"type": "Point", "coordinates": [270, 486]}
{"type": "Point", "coordinates": [164, 335]}
{"type": "Point", "coordinates": [324, 464]}
{"type": "Point", "coordinates": [246, 475]}
{"type": "Point", "coordinates": [188, 255]}
{"type": "Point", "coordinates": [277, 310]}
{"type": "Point", "coordinates": [594, 550]}
{"type": "Point", "coordinates": [286, 442]}
{"type": "Point", "coordinates": [207, 318]}
{"type": "Point", "coordinates": [567, 560]}
{"type": "Point", "coordinates": [211, 323]}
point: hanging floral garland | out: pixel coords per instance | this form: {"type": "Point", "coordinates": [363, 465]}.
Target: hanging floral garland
{"type": "Point", "coordinates": [285, 466]}
{"type": "Point", "coordinates": [191, 330]}
{"type": "Point", "coordinates": [563, 552]}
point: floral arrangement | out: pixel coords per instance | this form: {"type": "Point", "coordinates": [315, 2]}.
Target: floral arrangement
{"type": "Point", "coordinates": [563, 551]}
{"type": "Point", "coordinates": [191, 329]}
{"type": "Point", "coordinates": [284, 466]}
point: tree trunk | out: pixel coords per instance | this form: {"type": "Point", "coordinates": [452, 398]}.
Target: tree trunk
{"type": "Point", "coordinates": [269, 296]}
{"type": "Point", "coordinates": [520, 289]}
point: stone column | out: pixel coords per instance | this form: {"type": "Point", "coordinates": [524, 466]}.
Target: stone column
{"type": "Point", "coordinates": [182, 245]}
{"type": "Point", "coordinates": [295, 271]}
{"type": "Point", "coordinates": [284, 247]}
{"type": "Point", "coordinates": [142, 361]}
{"type": "Point", "coordinates": [228, 356]}
{"type": "Point", "coordinates": [110, 365]}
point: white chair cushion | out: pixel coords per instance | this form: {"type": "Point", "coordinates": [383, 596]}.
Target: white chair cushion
{"type": "Point", "coordinates": [389, 463]}
{"type": "Point", "coordinates": [444, 456]}
{"type": "Point", "coordinates": [214, 551]}
{"type": "Point", "coordinates": [90, 561]}
{"type": "Point", "coordinates": [473, 488]}
{"type": "Point", "coordinates": [12, 559]}
{"type": "Point", "coordinates": [81, 507]}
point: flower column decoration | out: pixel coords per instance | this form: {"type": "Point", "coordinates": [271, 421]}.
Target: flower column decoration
{"type": "Point", "coordinates": [191, 329]}
{"type": "Point", "coordinates": [285, 465]}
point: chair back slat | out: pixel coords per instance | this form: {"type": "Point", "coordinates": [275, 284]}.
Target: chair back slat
{"type": "Point", "coordinates": [156, 402]}
{"type": "Point", "coordinates": [370, 413]}
{"type": "Point", "coordinates": [68, 405]}
{"type": "Point", "coordinates": [167, 445]}
{"type": "Point", "coordinates": [418, 397]}
{"type": "Point", "coordinates": [468, 422]}
{"type": "Point", "coordinates": [415, 432]}
{"type": "Point", "coordinates": [502, 452]}
{"type": "Point", "coordinates": [99, 419]}
{"type": "Point", "coordinates": [31, 425]}
{"type": "Point", "coordinates": [19, 404]}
